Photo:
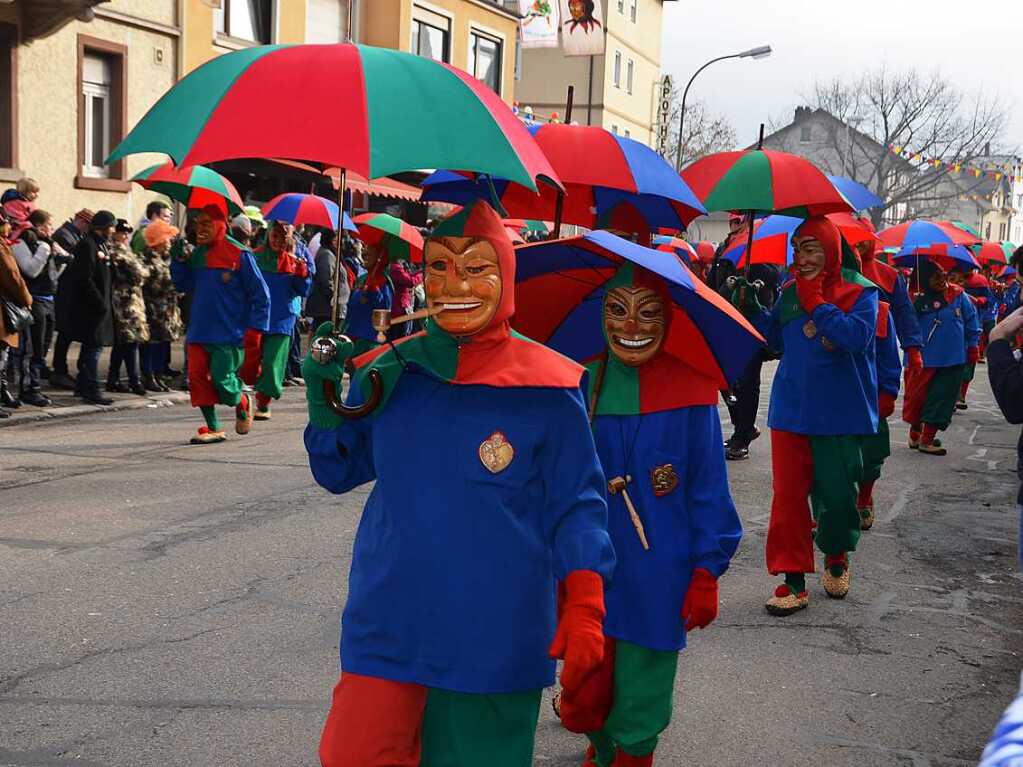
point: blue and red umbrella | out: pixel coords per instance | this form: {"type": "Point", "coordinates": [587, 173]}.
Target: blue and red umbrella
{"type": "Point", "coordinates": [675, 245]}
{"type": "Point", "coordinates": [559, 299]}
{"type": "Point", "coordinates": [298, 209]}
{"type": "Point", "coordinates": [932, 239]}
{"type": "Point", "coordinates": [856, 194]}
{"type": "Point", "coordinates": [600, 171]}
{"type": "Point", "coordinates": [772, 238]}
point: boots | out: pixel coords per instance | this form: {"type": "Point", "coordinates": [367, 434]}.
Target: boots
{"type": "Point", "coordinates": [7, 398]}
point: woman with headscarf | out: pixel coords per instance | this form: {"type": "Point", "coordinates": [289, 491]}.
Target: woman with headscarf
{"type": "Point", "coordinates": [951, 333]}
{"type": "Point", "coordinates": [287, 278]}
{"type": "Point", "coordinates": [488, 488]}
{"type": "Point", "coordinates": [230, 307]}
{"type": "Point", "coordinates": [658, 435]}
{"type": "Point", "coordinates": [824, 399]}
{"type": "Point", "coordinates": [163, 315]}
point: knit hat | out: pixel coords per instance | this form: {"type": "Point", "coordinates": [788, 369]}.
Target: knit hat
{"type": "Point", "coordinates": [158, 231]}
{"type": "Point", "coordinates": [84, 215]}
{"type": "Point", "coordinates": [254, 214]}
{"type": "Point", "coordinates": [103, 219]}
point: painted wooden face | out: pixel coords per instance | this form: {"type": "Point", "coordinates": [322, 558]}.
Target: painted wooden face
{"type": "Point", "coordinates": [205, 229]}
{"type": "Point", "coordinates": [809, 257]}
{"type": "Point", "coordinates": [463, 276]}
{"type": "Point", "coordinates": [634, 323]}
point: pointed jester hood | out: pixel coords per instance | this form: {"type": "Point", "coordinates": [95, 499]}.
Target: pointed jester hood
{"type": "Point", "coordinates": [459, 256]}
{"type": "Point", "coordinates": [664, 382]}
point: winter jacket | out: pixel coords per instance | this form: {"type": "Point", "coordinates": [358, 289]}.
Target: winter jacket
{"type": "Point", "coordinates": [129, 275]}
{"type": "Point", "coordinates": [90, 316]}
{"type": "Point", "coordinates": [320, 302]}
{"type": "Point", "coordinates": [13, 288]}
{"type": "Point", "coordinates": [1006, 375]}
{"type": "Point", "coordinates": [68, 237]}
{"type": "Point", "coordinates": [163, 315]}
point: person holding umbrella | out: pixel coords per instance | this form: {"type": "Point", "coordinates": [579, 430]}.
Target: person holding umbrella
{"type": "Point", "coordinates": [951, 332]}
{"type": "Point", "coordinates": [447, 632]}
{"type": "Point", "coordinates": [230, 303]}
{"type": "Point", "coordinates": [823, 402]}
{"type": "Point", "coordinates": [287, 278]}
{"type": "Point", "coordinates": [372, 291]}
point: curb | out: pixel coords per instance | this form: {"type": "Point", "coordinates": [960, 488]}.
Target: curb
{"type": "Point", "coordinates": [52, 413]}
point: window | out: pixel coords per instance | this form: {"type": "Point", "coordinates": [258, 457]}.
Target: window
{"type": "Point", "coordinates": [324, 22]}
{"type": "Point", "coordinates": [804, 134]}
{"type": "Point", "coordinates": [96, 79]}
{"type": "Point", "coordinates": [629, 70]}
{"type": "Point", "coordinates": [614, 129]}
{"type": "Point", "coordinates": [618, 69]}
{"type": "Point", "coordinates": [485, 59]}
{"type": "Point", "coordinates": [246, 20]}
{"type": "Point", "coordinates": [431, 35]}
{"type": "Point", "coordinates": [1001, 231]}
{"type": "Point", "coordinates": [987, 231]}
{"type": "Point", "coordinates": [632, 10]}
{"type": "Point", "coordinates": [628, 134]}
{"type": "Point", "coordinates": [102, 113]}
{"type": "Point", "coordinates": [8, 96]}
{"type": "Point", "coordinates": [621, 7]}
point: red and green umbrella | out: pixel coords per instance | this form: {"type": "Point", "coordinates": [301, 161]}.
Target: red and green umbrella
{"type": "Point", "coordinates": [993, 252]}
{"type": "Point", "coordinates": [524, 225]}
{"type": "Point", "coordinates": [194, 186]}
{"type": "Point", "coordinates": [380, 111]}
{"type": "Point", "coordinates": [763, 181]}
{"type": "Point", "coordinates": [398, 239]}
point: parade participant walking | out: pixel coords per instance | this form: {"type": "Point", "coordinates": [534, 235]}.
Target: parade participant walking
{"type": "Point", "coordinates": [978, 289]}
{"type": "Point", "coordinates": [163, 315]}
{"type": "Point", "coordinates": [951, 332]}
{"type": "Point", "coordinates": [674, 528]}
{"type": "Point", "coordinates": [373, 290]}
{"type": "Point", "coordinates": [897, 321]}
{"type": "Point", "coordinates": [229, 301]}
{"type": "Point", "coordinates": [131, 330]}
{"type": "Point", "coordinates": [287, 278]}
{"type": "Point", "coordinates": [823, 401]}
{"type": "Point", "coordinates": [449, 620]}
{"type": "Point", "coordinates": [89, 298]}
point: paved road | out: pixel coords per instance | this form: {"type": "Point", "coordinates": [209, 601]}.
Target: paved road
{"type": "Point", "coordinates": [162, 604]}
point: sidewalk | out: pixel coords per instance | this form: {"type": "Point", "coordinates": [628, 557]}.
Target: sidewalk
{"type": "Point", "coordinates": [65, 405]}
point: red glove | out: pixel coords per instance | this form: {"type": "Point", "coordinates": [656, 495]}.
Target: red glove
{"type": "Point", "coordinates": [300, 268]}
{"type": "Point", "coordinates": [810, 293]}
{"type": "Point", "coordinates": [885, 404]}
{"type": "Point", "coordinates": [701, 604]}
{"type": "Point", "coordinates": [914, 359]}
{"type": "Point", "coordinates": [253, 360]}
{"type": "Point", "coordinates": [972, 355]}
{"type": "Point", "coordinates": [580, 635]}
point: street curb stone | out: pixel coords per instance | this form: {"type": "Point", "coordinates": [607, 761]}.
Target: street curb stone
{"type": "Point", "coordinates": [35, 415]}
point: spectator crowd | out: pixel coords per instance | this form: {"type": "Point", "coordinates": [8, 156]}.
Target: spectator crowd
{"type": "Point", "coordinates": [103, 283]}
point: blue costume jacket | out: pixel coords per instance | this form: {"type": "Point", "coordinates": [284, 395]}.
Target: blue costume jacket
{"type": "Point", "coordinates": [949, 332]}
{"type": "Point", "coordinates": [694, 525]}
{"type": "Point", "coordinates": [229, 294]}
{"type": "Point", "coordinates": [817, 391]}
{"type": "Point", "coordinates": [361, 303]}
{"type": "Point", "coordinates": [907, 327]}
{"type": "Point", "coordinates": [453, 573]}
{"type": "Point", "coordinates": [889, 364]}
{"type": "Point", "coordinates": [286, 289]}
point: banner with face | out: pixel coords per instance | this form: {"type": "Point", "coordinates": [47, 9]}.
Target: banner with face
{"type": "Point", "coordinates": [582, 28]}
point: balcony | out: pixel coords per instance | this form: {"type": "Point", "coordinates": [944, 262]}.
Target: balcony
{"type": "Point", "coordinates": [41, 18]}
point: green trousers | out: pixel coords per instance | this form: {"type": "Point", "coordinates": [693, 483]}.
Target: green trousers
{"type": "Point", "coordinates": [644, 682]}
{"type": "Point", "coordinates": [875, 448]}
{"type": "Point", "coordinates": [492, 730]}
{"type": "Point", "coordinates": [274, 361]}
{"type": "Point", "coordinates": [837, 468]}
{"type": "Point", "coordinates": [942, 395]}
{"type": "Point", "coordinates": [212, 374]}
{"type": "Point", "coordinates": [969, 371]}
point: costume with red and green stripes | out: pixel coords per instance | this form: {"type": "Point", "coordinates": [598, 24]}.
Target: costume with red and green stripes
{"type": "Point", "coordinates": [229, 300]}
{"type": "Point", "coordinates": [446, 634]}
{"type": "Point", "coordinates": [824, 400]}
{"type": "Point", "coordinates": [658, 421]}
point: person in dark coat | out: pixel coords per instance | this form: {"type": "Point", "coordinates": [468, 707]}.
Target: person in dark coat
{"type": "Point", "coordinates": [1005, 371]}
{"type": "Point", "coordinates": [321, 297]}
{"type": "Point", "coordinates": [67, 236]}
{"type": "Point", "coordinates": [91, 314]}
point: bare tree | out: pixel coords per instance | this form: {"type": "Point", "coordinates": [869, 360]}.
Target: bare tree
{"type": "Point", "coordinates": [704, 132]}
{"type": "Point", "coordinates": [921, 112]}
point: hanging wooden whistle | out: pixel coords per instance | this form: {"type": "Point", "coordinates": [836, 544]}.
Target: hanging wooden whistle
{"type": "Point", "coordinates": [619, 485]}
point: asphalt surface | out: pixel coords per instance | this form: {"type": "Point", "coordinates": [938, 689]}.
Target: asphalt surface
{"type": "Point", "coordinates": [163, 604]}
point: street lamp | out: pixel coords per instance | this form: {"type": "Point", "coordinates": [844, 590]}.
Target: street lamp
{"type": "Point", "coordinates": [760, 52]}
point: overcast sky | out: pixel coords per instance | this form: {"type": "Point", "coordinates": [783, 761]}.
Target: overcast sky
{"type": "Point", "coordinates": [978, 48]}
